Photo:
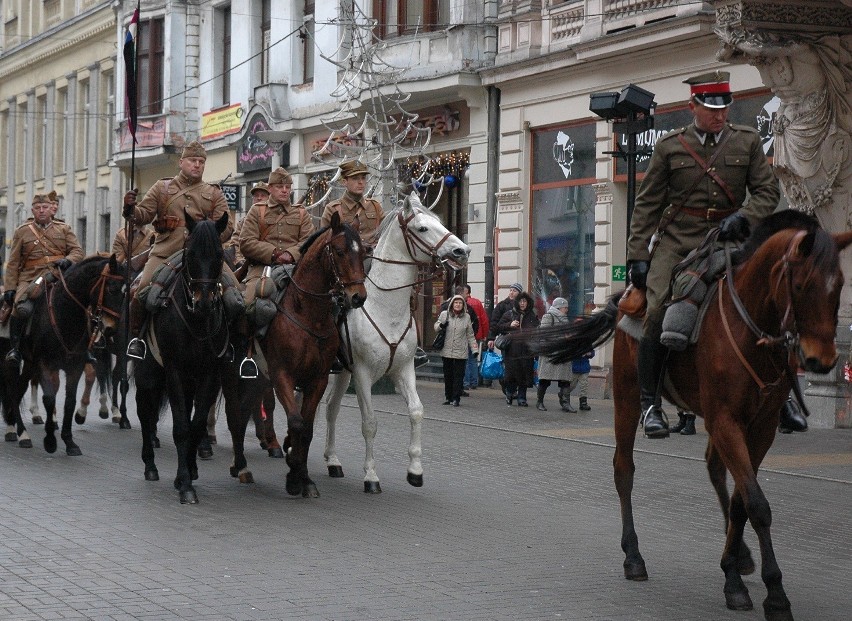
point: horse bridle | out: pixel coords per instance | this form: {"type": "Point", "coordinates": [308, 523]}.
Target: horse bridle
{"type": "Point", "coordinates": [190, 282]}
{"type": "Point", "coordinates": [339, 285]}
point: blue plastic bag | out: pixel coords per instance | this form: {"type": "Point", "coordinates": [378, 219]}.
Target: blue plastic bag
{"type": "Point", "coordinates": [491, 365]}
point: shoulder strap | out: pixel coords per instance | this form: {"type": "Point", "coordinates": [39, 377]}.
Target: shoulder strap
{"type": "Point", "coordinates": [44, 240]}
{"type": "Point", "coordinates": [707, 166]}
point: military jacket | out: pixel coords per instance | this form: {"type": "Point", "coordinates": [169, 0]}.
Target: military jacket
{"type": "Point", "coordinates": [163, 206]}
{"type": "Point", "coordinates": [367, 210]}
{"type": "Point", "coordinates": [34, 249]}
{"type": "Point", "coordinates": [283, 228]}
{"type": "Point", "coordinates": [672, 171]}
{"type": "Point", "coordinates": [141, 240]}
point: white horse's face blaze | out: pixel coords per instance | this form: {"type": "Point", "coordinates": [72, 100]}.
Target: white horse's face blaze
{"type": "Point", "coordinates": [427, 227]}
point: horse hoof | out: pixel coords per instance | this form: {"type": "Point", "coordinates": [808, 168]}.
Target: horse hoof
{"type": "Point", "coordinates": [11, 436]}
{"type": "Point", "coordinates": [205, 452]}
{"type": "Point", "coordinates": [777, 614]}
{"type": "Point", "coordinates": [188, 497]}
{"type": "Point", "coordinates": [73, 451]}
{"type": "Point", "coordinates": [415, 479]}
{"type": "Point", "coordinates": [38, 420]}
{"type": "Point", "coordinates": [739, 600]}
{"type": "Point", "coordinates": [277, 453]}
{"type": "Point", "coordinates": [335, 472]}
{"type": "Point", "coordinates": [246, 477]}
{"type": "Point", "coordinates": [151, 474]}
{"type": "Point", "coordinates": [50, 444]}
{"type": "Point", "coordinates": [79, 419]}
{"type": "Point", "coordinates": [104, 414]}
{"type": "Point", "coordinates": [372, 487]}
{"type": "Point", "coordinates": [635, 571]}
{"type": "Point", "coordinates": [116, 418]}
{"type": "Point", "coordinates": [310, 491]}
{"type": "Point", "coordinates": [123, 423]}
{"type": "Point", "coordinates": [26, 443]}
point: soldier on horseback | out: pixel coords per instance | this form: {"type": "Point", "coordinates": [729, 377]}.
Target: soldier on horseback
{"type": "Point", "coordinates": [696, 180]}
{"type": "Point", "coordinates": [164, 205]}
{"type": "Point", "coordinates": [38, 245]}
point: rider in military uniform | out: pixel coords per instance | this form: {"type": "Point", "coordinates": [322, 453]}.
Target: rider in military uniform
{"type": "Point", "coordinates": [697, 180]}
{"type": "Point", "coordinates": [38, 244]}
{"type": "Point", "coordinates": [354, 204]}
{"type": "Point", "coordinates": [164, 205]}
{"type": "Point", "coordinates": [141, 239]}
{"type": "Point", "coordinates": [259, 194]}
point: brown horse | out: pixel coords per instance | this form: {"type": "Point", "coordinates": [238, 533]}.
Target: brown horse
{"type": "Point", "coordinates": [300, 347]}
{"type": "Point", "coordinates": [777, 306]}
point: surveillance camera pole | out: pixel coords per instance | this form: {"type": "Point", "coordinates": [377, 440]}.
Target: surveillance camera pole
{"type": "Point", "coordinates": [631, 126]}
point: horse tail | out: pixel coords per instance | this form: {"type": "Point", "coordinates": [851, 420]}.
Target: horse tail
{"type": "Point", "coordinates": [568, 341]}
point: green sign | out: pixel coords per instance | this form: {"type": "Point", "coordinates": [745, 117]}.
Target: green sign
{"type": "Point", "coordinates": [619, 272]}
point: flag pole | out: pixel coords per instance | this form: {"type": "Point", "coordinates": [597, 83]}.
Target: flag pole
{"type": "Point", "coordinates": [132, 116]}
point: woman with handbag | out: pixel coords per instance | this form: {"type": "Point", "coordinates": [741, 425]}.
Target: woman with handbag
{"type": "Point", "coordinates": [455, 325]}
{"type": "Point", "coordinates": [519, 368]}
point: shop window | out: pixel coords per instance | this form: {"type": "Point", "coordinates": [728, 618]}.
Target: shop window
{"type": "Point", "coordinates": [150, 51]}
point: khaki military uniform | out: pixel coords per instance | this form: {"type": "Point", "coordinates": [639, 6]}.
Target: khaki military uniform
{"type": "Point", "coordinates": [234, 243]}
{"type": "Point", "coordinates": [271, 228]}
{"type": "Point", "coordinates": [34, 249]}
{"type": "Point", "coordinates": [140, 242]}
{"type": "Point", "coordinates": [163, 206]}
{"type": "Point", "coordinates": [671, 173]}
{"type": "Point", "coordinates": [367, 210]}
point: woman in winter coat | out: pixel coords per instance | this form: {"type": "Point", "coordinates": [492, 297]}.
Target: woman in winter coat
{"type": "Point", "coordinates": [519, 368]}
{"type": "Point", "coordinates": [459, 336]}
{"type": "Point", "coordinates": [548, 371]}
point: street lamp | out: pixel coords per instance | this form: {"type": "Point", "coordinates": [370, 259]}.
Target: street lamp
{"type": "Point", "coordinates": [632, 112]}
{"type": "Point", "coordinates": [275, 139]}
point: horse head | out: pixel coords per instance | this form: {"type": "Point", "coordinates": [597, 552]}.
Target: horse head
{"type": "Point", "coordinates": [345, 252]}
{"type": "Point", "coordinates": [203, 258]}
{"type": "Point", "coordinates": [806, 285]}
{"type": "Point", "coordinates": [111, 288]}
{"type": "Point", "coordinates": [426, 239]}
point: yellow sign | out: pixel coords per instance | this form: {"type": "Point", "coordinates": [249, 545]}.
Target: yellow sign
{"type": "Point", "coordinates": [221, 122]}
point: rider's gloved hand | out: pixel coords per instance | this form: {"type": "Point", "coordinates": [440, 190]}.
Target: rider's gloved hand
{"type": "Point", "coordinates": [129, 203]}
{"type": "Point", "coordinates": [734, 228]}
{"type": "Point", "coordinates": [9, 297]}
{"type": "Point", "coordinates": [282, 257]}
{"type": "Point", "coordinates": [637, 272]}
{"type": "Point", "coordinates": [62, 264]}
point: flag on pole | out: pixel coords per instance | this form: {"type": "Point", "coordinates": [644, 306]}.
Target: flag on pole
{"type": "Point", "coordinates": [130, 73]}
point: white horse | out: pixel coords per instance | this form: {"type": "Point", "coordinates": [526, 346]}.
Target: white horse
{"type": "Point", "coordinates": [382, 333]}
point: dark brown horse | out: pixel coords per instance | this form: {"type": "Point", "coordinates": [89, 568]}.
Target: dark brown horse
{"type": "Point", "coordinates": [736, 377]}
{"type": "Point", "coordinates": [300, 347]}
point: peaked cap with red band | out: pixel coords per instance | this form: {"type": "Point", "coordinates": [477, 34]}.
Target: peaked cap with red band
{"type": "Point", "coordinates": [712, 90]}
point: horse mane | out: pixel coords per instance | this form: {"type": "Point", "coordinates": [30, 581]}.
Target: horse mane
{"type": "Point", "coordinates": [205, 239]}
{"type": "Point", "coordinates": [391, 216]}
{"type": "Point", "coordinates": [348, 231]}
{"type": "Point", "coordinates": [773, 223]}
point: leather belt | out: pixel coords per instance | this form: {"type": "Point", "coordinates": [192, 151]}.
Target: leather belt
{"type": "Point", "coordinates": [42, 260]}
{"type": "Point", "coordinates": [711, 215]}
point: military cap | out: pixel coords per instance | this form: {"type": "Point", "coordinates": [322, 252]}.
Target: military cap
{"type": "Point", "coordinates": [279, 175]}
{"type": "Point", "coordinates": [711, 89]}
{"type": "Point", "coordinates": [352, 168]}
{"type": "Point", "coordinates": [53, 197]}
{"type": "Point", "coordinates": [194, 149]}
{"type": "Point", "coordinates": [260, 186]}
{"type": "Point", "coordinates": [41, 198]}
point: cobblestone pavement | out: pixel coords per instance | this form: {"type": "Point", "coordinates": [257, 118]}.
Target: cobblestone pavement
{"type": "Point", "coordinates": [518, 520]}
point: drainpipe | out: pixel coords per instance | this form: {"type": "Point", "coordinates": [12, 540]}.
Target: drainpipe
{"type": "Point", "coordinates": [491, 187]}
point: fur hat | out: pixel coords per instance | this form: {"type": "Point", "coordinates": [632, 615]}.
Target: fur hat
{"type": "Point", "coordinates": [41, 198]}
{"type": "Point", "coordinates": [194, 149]}
{"type": "Point", "coordinates": [279, 175]}
{"type": "Point", "coordinates": [517, 287]}
{"type": "Point", "coordinates": [352, 168]}
{"type": "Point", "coordinates": [260, 186]}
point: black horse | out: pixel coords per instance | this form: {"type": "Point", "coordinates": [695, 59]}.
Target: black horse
{"type": "Point", "coordinates": [189, 338]}
{"type": "Point", "coordinates": [84, 301]}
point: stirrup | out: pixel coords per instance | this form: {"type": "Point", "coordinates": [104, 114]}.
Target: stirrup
{"type": "Point", "coordinates": [661, 433]}
{"type": "Point", "coordinates": [13, 355]}
{"type": "Point", "coordinates": [130, 347]}
{"type": "Point", "coordinates": [248, 369]}
{"type": "Point", "coordinates": [420, 358]}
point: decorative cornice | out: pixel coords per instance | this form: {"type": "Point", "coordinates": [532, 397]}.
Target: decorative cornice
{"type": "Point", "coordinates": [794, 17]}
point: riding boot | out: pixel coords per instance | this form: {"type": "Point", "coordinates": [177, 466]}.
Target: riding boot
{"type": "Point", "coordinates": [16, 332]}
{"type": "Point", "coordinates": [651, 359]}
{"type": "Point", "coordinates": [584, 404]}
{"type": "Point", "coordinates": [137, 348]}
{"type": "Point", "coordinates": [689, 425]}
{"type": "Point", "coordinates": [539, 403]}
{"type": "Point", "coordinates": [242, 342]}
{"type": "Point", "coordinates": [792, 418]}
{"type": "Point", "coordinates": [681, 423]}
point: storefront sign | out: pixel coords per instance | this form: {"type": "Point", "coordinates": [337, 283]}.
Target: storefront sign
{"type": "Point", "coordinates": [149, 133]}
{"type": "Point", "coordinates": [221, 122]}
{"type": "Point", "coordinates": [232, 195]}
{"type": "Point", "coordinates": [252, 152]}
{"type": "Point", "coordinates": [564, 154]}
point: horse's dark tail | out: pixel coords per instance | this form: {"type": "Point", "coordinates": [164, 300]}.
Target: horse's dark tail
{"type": "Point", "coordinates": [568, 341]}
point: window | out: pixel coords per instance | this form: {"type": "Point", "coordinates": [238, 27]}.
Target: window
{"type": "Point", "coordinates": [106, 117]}
{"type": "Point", "coordinates": [59, 131]}
{"type": "Point", "coordinates": [4, 146]}
{"type": "Point", "coordinates": [20, 142]}
{"type": "Point", "coordinates": [83, 112]}
{"type": "Point", "coordinates": [149, 67]}
{"type": "Point", "coordinates": [223, 68]}
{"type": "Point", "coordinates": [307, 36]}
{"type": "Point", "coordinates": [40, 137]}
{"type": "Point", "coordinates": [400, 17]}
{"type": "Point", "coordinates": [265, 39]}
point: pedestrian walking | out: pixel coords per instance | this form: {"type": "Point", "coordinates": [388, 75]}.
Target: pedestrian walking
{"type": "Point", "coordinates": [581, 367]}
{"type": "Point", "coordinates": [504, 305]}
{"type": "Point", "coordinates": [458, 337]}
{"type": "Point", "coordinates": [519, 367]}
{"type": "Point", "coordinates": [471, 372]}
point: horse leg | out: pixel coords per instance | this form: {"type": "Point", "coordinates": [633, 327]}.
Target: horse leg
{"type": "Point", "coordinates": [72, 379]}
{"type": "Point", "coordinates": [627, 413]}
{"type": "Point", "coordinates": [718, 478]}
{"type": "Point", "coordinates": [148, 396]}
{"type": "Point", "coordinates": [16, 383]}
{"type": "Point", "coordinates": [242, 397]}
{"type": "Point", "coordinates": [211, 425]}
{"type": "Point", "coordinates": [86, 399]}
{"type": "Point", "coordinates": [36, 415]}
{"type": "Point", "coordinates": [273, 448]}
{"type": "Point", "coordinates": [49, 386]}
{"type": "Point", "coordinates": [103, 376]}
{"type": "Point", "coordinates": [369, 426]}
{"type": "Point", "coordinates": [311, 396]}
{"type": "Point", "coordinates": [181, 405]}
{"type": "Point", "coordinates": [406, 386]}
{"type": "Point", "coordinates": [299, 436]}
{"type": "Point", "coordinates": [749, 503]}
{"type": "Point", "coordinates": [333, 398]}
{"type": "Point", "coordinates": [205, 444]}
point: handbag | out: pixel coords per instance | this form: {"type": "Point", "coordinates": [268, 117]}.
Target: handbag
{"type": "Point", "coordinates": [502, 341]}
{"type": "Point", "coordinates": [491, 365]}
{"type": "Point", "coordinates": [440, 337]}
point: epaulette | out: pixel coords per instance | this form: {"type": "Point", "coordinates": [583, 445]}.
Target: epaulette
{"type": "Point", "coordinates": [60, 220]}
{"type": "Point", "coordinates": [671, 133]}
{"type": "Point", "coordinates": [743, 128]}
{"type": "Point", "coordinates": [26, 222]}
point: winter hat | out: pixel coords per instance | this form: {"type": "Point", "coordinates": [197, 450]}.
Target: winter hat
{"type": "Point", "coordinates": [517, 287]}
{"type": "Point", "coordinates": [559, 303]}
